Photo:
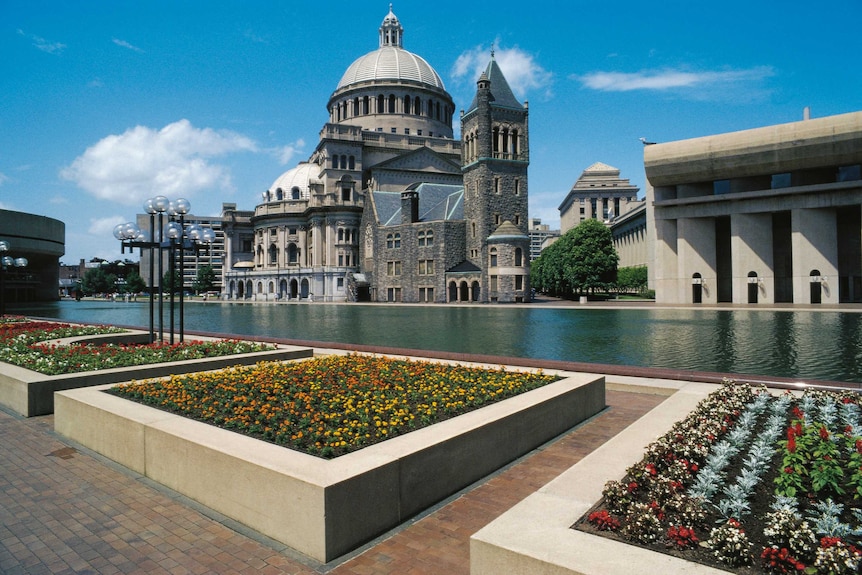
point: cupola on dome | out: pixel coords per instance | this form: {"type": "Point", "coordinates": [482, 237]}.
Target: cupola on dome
{"type": "Point", "coordinates": [390, 61]}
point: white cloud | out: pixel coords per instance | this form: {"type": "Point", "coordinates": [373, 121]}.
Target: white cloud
{"type": "Point", "coordinates": [102, 227]}
{"type": "Point", "coordinates": [144, 162]}
{"type": "Point", "coordinates": [286, 153]}
{"type": "Point", "coordinates": [124, 44]}
{"type": "Point", "coordinates": [670, 79]}
{"type": "Point", "coordinates": [520, 68]}
{"type": "Point", "coordinates": [43, 44]}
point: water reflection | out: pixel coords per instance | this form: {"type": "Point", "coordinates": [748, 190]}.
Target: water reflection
{"type": "Point", "coordinates": [819, 345]}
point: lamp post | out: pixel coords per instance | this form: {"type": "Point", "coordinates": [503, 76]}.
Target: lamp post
{"type": "Point", "coordinates": [174, 236]}
{"type": "Point", "coordinates": [7, 262]}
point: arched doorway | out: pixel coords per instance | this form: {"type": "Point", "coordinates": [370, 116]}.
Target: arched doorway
{"type": "Point", "coordinates": [294, 289]}
{"type": "Point", "coordinates": [816, 287]}
{"type": "Point", "coordinates": [753, 286]}
{"type": "Point", "coordinates": [303, 289]}
{"type": "Point", "coordinates": [453, 291]}
{"type": "Point", "coordinates": [249, 291]}
{"type": "Point", "coordinates": [282, 289]}
{"type": "Point", "coordinates": [464, 294]}
{"type": "Point", "coordinates": [475, 291]}
{"type": "Point", "coordinates": [696, 288]}
{"type": "Point", "coordinates": [236, 290]}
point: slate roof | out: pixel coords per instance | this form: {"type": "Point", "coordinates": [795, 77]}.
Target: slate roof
{"type": "Point", "coordinates": [436, 202]}
{"type": "Point", "coordinates": [500, 91]}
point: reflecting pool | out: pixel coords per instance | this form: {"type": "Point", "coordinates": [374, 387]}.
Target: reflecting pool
{"type": "Point", "coordinates": [806, 344]}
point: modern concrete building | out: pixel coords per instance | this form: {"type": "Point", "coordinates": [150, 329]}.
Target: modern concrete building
{"type": "Point", "coordinates": [389, 207]}
{"type": "Point", "coordinates": [42, 241]}
{"type": "Point", "coordinates": [761, 216]}
{"type": "Point", "coordinates": [629, 232]}
{"type": "Point", "coordinates": [599, 194]}
{"type": "Point", "coordinates": [541, 236]}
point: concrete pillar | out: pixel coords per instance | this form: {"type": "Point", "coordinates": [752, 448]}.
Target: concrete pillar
{"type": "Point", "coordinates": [663, 268]}
{"type": "Point", "coordinates": [697, 255]}
{"type": "Point", "coordinates": [814, 239]}
{"type": "Point", "coordinates": [751, 248]}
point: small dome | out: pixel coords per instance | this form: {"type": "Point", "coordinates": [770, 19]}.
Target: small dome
{"type": "Point", "coordinates": [391, 63]}
{"type": "Point", "coordinates": [294, 183]}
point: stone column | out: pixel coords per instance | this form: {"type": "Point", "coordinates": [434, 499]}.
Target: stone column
{"type": "Point", "coordinates": [697, 255]}
{"type": "Point", "coordinates": [814, 240]}
{"type": "Point", "coordinates": [751, 248]}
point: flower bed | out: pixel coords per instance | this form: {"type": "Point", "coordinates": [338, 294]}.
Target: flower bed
{"type": "Point", "coordinates": [332, 405]}
{"type": "Point", "coordinates": [23, 344]}
{"type": "Point", "coordinates": [748, 482]}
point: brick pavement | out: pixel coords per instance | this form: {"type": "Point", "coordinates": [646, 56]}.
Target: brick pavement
{"type": "Point", "coordinates": [68, 512]}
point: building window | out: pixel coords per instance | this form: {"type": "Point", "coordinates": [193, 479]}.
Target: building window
{"type": "Point", "coordinates": [339, 283]}
{"type": "Point", "coordinates": [497, 219]}
{"type": "Point", "coordinates": [517, 186]}
{"type": "Point", "coordinates": [393, 294]}
{"type": "Point", "coordinates": [497, 185]}
{"type": "Point", "coordinates": [781, 180]}
{"type": "Point", "coordinates": [519, 257]}
{"type": "Point", "coordinates": [429, 238]}
{"type": "Point", "coordinates": [340, 260]}
{"type": "Point", "coordinates": [426, 294]}
{"type": "Point", "coordinates": [291, 231]}
{"type": "Point", "coordinates": [345, 194]}
{"type": "Point", "coordinates": [393, 241]}
{"type": "Point", "coordinates": [426, 267]}
{"type": "Point", "coordinates": [391, 103]}
{"type": "Point", "coordinates": [517, 221]}
{"type": "Point", "coordinates": [519, 282]}
{"type": "Point", "coordinates": [380, 104]}
{"type": "Point", "coordinates": [393, 268]}
{"type": "Point", "coordinates": [493, 282]}
{"type": "Point", "coordinates": [351, 162]}
{"type": "Point", "coordinates": [493, 258]}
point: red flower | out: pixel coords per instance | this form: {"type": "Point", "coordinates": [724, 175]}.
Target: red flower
{"type": "Point", "coordinates": [797, 413]}
{"type": "Point", "coordinates": [824, 433]}
{"type": "Point", "coordinates": [791, 444]}
{"type": "Point", "coordinates": [859, 446]}
{"type": "Point", "coordinates": [788, 469]}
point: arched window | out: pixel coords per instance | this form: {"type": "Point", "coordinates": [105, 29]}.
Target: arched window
{"type": "Point", "coordinates": [438, 111]}
{"type": "Point", "coordinates": [279, 194]}
{"type": "Point", "coordinates": [417, 106]}
{"type": "Point", "coordinates": [351, 163]}
{"type": "Point", "coordinates": [273, 254]}
{"type": "Point", "coordinates": [380, 103]}
{"type": "Point", "coordinates": [493, 259]}
{"type": "Point", "coordinates": [406, 104]}
{"type": "Point", "coordinates": [391, 103]}
{"type": "Point", "coordinates": [294, 193]}
{"type": "Point", "coordinates": [365, 106]}
{"type": "Point", "coordinates": [390, 241]}
{"type": "Point", "coordinates": [420, 239]}
{"type": "Point", "coordinates": [292, 253]}
{"type": "Point", "coordinates": [397, 241]}
{"type": "Point", "coordinates": [356, 106]}
{"type": "Point", "coordinates": [343, 162]}
{"type": "Point", "coordinates": [429, 238]}
{"type": "Point", "coordinates": [519, 257]}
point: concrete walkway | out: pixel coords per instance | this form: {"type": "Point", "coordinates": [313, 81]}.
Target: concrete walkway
{"type": "Point", "coordinates": [65, 510]}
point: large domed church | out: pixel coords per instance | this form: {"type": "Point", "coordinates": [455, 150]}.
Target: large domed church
{"type": "Point", "coordinates": [389, 206]}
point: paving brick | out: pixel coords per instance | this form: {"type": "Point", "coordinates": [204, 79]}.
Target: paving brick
{"type": "Point", "coordinates": [65, 511]}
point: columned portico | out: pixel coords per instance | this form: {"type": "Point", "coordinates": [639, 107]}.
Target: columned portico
{"type": "Point", "coordinates": [751, 248]}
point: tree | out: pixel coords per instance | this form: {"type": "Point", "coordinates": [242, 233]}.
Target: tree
{"type": "Point", "coordinates": [135, 283]}
{"type": "Point", "coordinates": [175, 284]}
{"type": "Point", "coordinates": [632, 278]}
{"type": "Point", "coordinates": [592, 264]}
{"type": "Point", "coordinates": [583, 260]}
{"type": "Point", "coordinates": [205, 280]}
{"type": "Point", "coordinates": [97, 280]}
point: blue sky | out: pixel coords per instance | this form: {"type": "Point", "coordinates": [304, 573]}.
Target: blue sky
{"type": "Point", "coordinates": [107, 103]}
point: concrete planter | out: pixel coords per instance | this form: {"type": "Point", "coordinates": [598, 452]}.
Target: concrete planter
{"type": "Point", "coordinates": [323, 508]}
{"type": "Point", "coordinates": [30, 393]}
{"type": "Point", "coordinates": [535, 536]}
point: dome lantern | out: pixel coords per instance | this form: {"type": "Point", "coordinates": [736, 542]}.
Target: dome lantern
{"type": "Point", "coordinates": [391, 31]}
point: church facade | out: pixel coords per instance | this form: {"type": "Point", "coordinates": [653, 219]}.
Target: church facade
{"type": "Point", "coordinates": [389, 206]}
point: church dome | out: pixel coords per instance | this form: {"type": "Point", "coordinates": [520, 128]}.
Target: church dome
{"type": "Point", "coordinates": [293, 184]}
{"type": "Point", "coordinates": [390, 62]}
